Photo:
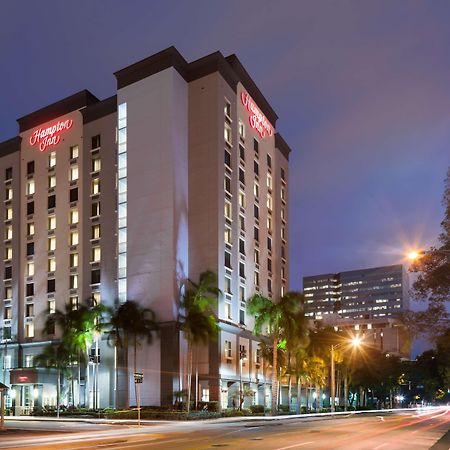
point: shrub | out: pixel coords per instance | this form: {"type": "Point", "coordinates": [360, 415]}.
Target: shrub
{"type": "Point", "coordinates": [257, 409]}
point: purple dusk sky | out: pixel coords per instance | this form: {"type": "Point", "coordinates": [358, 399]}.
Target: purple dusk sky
{"type": "Point", "coordinates": [362, 90]}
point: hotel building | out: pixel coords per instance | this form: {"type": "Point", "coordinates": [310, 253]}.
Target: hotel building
{"type": "Point", "coordinates": [179, 172]}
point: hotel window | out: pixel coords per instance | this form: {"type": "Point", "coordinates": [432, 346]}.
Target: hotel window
{"type": "Point", "coordinates": [283, 272]}
{"type": "Point", "coordinates": [256, 168]}
{"type": "Point", "coordinates": [8, 213]}
{"type": "Point", "coordinates": [269, 265]}
{"type": "Point", "coordinates": [256, 190]}
{"type": "Point", "coordinates": [242, 293]}
{"type": "Point", "coordinates": [242, 223]}
{"type": "Point", "coordinates": [51, 306]}
{"type": "Point", "coordinates": [241, 129]}
{"type": "Point", "coordinates": [51, 159]}
{"type": "Point", "coordinates": [73, 260]}
{"type": "Point", "coordinates": [283, 252]}
{"type": "Point", "coordinates": [30, 168]}
{"type": "Point", "coordinates": [95, 210]}
{"type": "Point", "coordinates": [227, 158]}
{"type": "Point", "coordinates": [8, 273]}
{"type": "Point", "coordinates": [8, 173]}
{"type": "Point", "coordinates": [269, 202]}
{"type": "Point", "coordinates": [96, 163]}
{"type": "Point", "coordinates": [8, 252]}
{"type": "Point", "coordinates": [30, 268]}
{"type": "Point", "coordinates": [51, 264]}
{"type": "Point", "coordinates": [7, 313]}
{"type": "Point", "coordinates": [269, 243]}
{"type": "Point", "coordinates": [29, 330]}
{"type": "Point", "coordinates": [269, 285]}
{"type": "Point", "coordinates": [51, 244]}
{"type": "Point", "coordinates": [30, 187]}
{"type": "Point", "coordinates": [96, 299]}
{"type": "Point", "coordinates": [28, 360]}
{"type": "Point", "coordinates": [283, 290]}
{"type": "Point", "coordinates": [74, 237]}
{"type": "Point", "coordinates": [51, 284]}
{"type": "Point", "coordinates": [227, 134]}
{"type": "Point", "coordinates": [256, 211]}
{"type": "Point", "coordinates": [269, 161]}
{"type": "Point", "coordinates": [30, 248]}
{"type": "Point", "coordinates": [8, 232]}
{"type": "Point", "coordinates": [256, 234]}
{"type": "Point", "coordinates": [256, 146]}
{"type": "Point", "coordinates": [73, 173]}
{"type": "Point", "coordinates": [51, 181]}
{"type": "Point", "coordinates": [8, 193]}
{"type": "Point", "coordinates": [95, 231]}
{"type": "Point", "coordinates": [30, 228]}
{"type": "Point", "coordinates": [227, 184]}
{"type": "Point", "coordinates": [73, 216]}
{"type": "Point", "coordinates": [241, 199]}
{"type": "Point", "coordinates": [241, 246]}
{"type": "Point", "coordinates": [96, 254]}
{"type": "Point", "coordinates": [269, 182]}
{"type": "Point", "coordinates": [228, 310]}
{"type": "Point", "coordinates": [256, 279]}
{"type": "Point", "coordinates": [242, 152]}
{"type": "Point", "coordinates": [269, 224]}
{"type": "Point", "coordinates": [95, 186]}
{"type": "Point", "coordinates": [228, 260]}
{"type": "Point", "coordinates": [74, 152]}
{"type": "Point", "coordinates": [227, 210]}
{"type": "Point", "coordinates": [227, 109]}
{"type": "Point", "coordinates": [7, 358]}
{"type": "Point", "coordinates": [30, 208]}
{"type": "Point", "coordinates": [227, 286]}
{"type": "Point", "coordinates": [73, 281]}
{"type": "Point", "coordinates": [73, 195]}
{"type": "Point", "coordinates": [51, 222]}
{"type": "Point", "coordinates": [256, 256]}
{"type": "Point", "coordinates": [51, 202]}
{"type": "Point", "coordinates": [227, 235]}
{"type": "Point", "coordinates": [242, 313]}
{"type": "Point", "coordinates": [283, 193]}
{"type": "Point", "coordinates": [73, 301]}
{"type": "Point", "coordinates": [241, 269]}
{"type": "Point", "coordinates": [283, 176]}
{"type": "Point", "coordinates": [95, 142]}
{"type": "Point", "coordinates": [29, 289]}
{"type": "Point", "coordinates": [228, 353]}
{"type": "Point", "coordinates": [8, 292]}
{"type": "Point", "coordinates": [95, 276]}
{"type": "Point", "coordinates": [241, 176]}
{"type": "Point", "coordinates": [283, 214]}
{"type": "Point", "coordinates": [283, 233]}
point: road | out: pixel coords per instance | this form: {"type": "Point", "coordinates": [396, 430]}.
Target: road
{"type": "Point", "coordinates": [402, 430]}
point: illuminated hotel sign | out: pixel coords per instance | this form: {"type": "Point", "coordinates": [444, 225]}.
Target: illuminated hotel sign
{"type": "Point", "coordinates": [257, 119]}
{"type": "Point", "coordinates": [47, 137]}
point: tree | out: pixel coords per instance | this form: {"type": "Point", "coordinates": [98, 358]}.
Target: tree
{"type": "Point", "coordinates": [56, 357]}
{"type": "Point", "coordinates": [198, 317]}
{"type": "Point", "coordinates": [282, 320]}
{"type": "Point", "coordinates": [128, 322]}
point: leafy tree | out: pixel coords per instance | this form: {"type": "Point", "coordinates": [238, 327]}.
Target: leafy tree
{"type": "Point", "coordinates": [282, 319]}
{"type": "Point", "coordinates": [128, 323]}
{"type": "Point", "coordinates": [198, 317]}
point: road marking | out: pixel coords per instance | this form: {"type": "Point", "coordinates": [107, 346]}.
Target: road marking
{"type": "Point", "coordinates": [295, 445]}
{"type": "Point", "coordinates": [381, 417]}
{"type": "Point", "coordinates": [380, 446]}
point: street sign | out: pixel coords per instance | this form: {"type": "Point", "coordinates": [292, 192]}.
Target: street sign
{"type": "Point", "coordinates": [138, 377]}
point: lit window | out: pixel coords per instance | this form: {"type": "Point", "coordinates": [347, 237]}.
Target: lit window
{"type": "Point", "coordinates": [28, 360]}
{"type": "Point", "coordinates": [227, 235]}
{"type": "Point", "coordinates": [228, 353]}
{"type": "Point", "coordinates": [95, 211]}
{"type": "Point", "coordinates": [8, 193]}
{"type": "Point", "coordinates": [96, 253]}
{"type": "Point", "coordinates": [95, 232]}
{"type": "Point", "coordinates": [51, 222]}
{"type": "Point", "coordinates": [29, 330]}
{"type": "Point", "coordinates": [283, 193]}
{"type": "Point", "coordinates": [30, 268]}
{"type": "Point", "coordinates": [242, 293]}
{"type": "Point", "coordinates": [241, 129]}
{"type": "Point", "coordinates": [95, 186]}
{"type": "Point", "coordinates": [51, 181]}
{"type": "Point", "coordinates": [269, 181]}
{"type": "Point", "coordinates": [256, 256]}
{"type": "Point", "coordinates": [256, 190]}
{"type": "Point", "coordinates": [256, 279]}
{"type": "Point", "coordinates": [227, 134]}
{"type": "Point", "coordinates": [74, 238]}
{"type": "Point", "coordinates": [227, 210]}
{"type": "Point", "coordinates": [73, 300]}
{"type": "Point", "coordinates": [73, 261]}
{"type": "Point", "coordinates": [269, 202]}
{"type": "Point", "coordinates": [228, 310]}
{"type": "Point", "coordinates": [51, 244]}
{"type": "Point", "coordinates": [29, 310]}
{"type": "Point", "coordinates": [73, 173]}
{"type": "Point", "coordinates": [227, 109]}
{"type": "Point", "coordinates": [96, 298]}
{"type": "Point", "coordinates": [51, 306]}
{"type": "Point", "coordinates": [7, 313]}
{"type": "Point", "coordinates": [8, 252]}
{"type": "Point", "coordinates": [30, 228]}
{"type": "Point", "coordinates": [74, 152]}
{"type": "Point", "coordinates": [8, 292]}
{"type": "Point", "coordinates": [73, 281]}
{"type": "Point", "coordinates": [51, 264]}
{"type": "Point", "coordinates": [96, 164]}
{"type": "Point", "coordinates": [227, 286]}
{"type": "Point", "coordinates": [52, 159]}
{"type": "Point", "coordinates": [269, 224]}
{"type": "Point", "coordinates": [9, 213]}
{"type": "Point", "coordinates": [73, 216]}
{"type": "Point", "coordinates": [241, 199]}
{"type": "Point", "coordinates": [30, 187]}
{"type": "Point", "coordinates": [8, 232]}
{"type": "Point", "coordinates": [7, 358]}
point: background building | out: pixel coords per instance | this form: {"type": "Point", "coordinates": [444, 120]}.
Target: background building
{"type": "Point", "coordinates": [180, 172]}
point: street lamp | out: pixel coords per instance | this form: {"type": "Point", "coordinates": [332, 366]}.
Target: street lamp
{"type": "Point", "coordinates": [355, 342]}
{"type": "Point", "coordinates": [414, 255]}
{"type": "Point", "coordinates": [242, 357]}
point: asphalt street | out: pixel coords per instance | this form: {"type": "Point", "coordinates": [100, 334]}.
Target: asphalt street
{"type": "Point", "coordinates": [428, 429]}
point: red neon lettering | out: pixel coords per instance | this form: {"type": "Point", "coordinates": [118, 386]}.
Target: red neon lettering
{"type": "Point", "coordinates": [256, 118]}
{"type": "Point", "coordinates": [50, 136]}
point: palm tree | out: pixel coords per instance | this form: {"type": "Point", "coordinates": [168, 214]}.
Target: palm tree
{"type": "Point", "coordinates": [128, 322]}
{"type": "Point", "coordinates": [282, 319]}
{"type": "Point", "coordinates": [57, 357]}
{"type": "Point", "coordinates": [316, 373]}
{"type": "Point", "coordinates": [198, 316]}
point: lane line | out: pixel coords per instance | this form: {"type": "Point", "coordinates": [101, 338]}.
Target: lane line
{"type": "Point", "coordinates": [295, 445]}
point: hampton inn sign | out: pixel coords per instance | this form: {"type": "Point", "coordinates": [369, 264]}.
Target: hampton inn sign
{"type": "Point", "coordinates": [257, 119]}
{"type": "Point", "coordinates": [47, 137]}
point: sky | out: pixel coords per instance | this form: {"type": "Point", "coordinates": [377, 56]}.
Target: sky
{"type": "Point", "coordinates": [361, 88]}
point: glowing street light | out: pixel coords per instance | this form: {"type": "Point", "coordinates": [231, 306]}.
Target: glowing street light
{"type": "Point", "coordinates": [413, 255]}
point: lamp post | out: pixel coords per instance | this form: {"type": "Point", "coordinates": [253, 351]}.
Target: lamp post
{"type": "Point", "coordinates": [355, 342]}
{"type": "Point", "coordinates": [242, 357]}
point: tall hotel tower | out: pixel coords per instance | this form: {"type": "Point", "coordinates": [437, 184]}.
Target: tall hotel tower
{"type": "Point", "coordinates": [120, 199]}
